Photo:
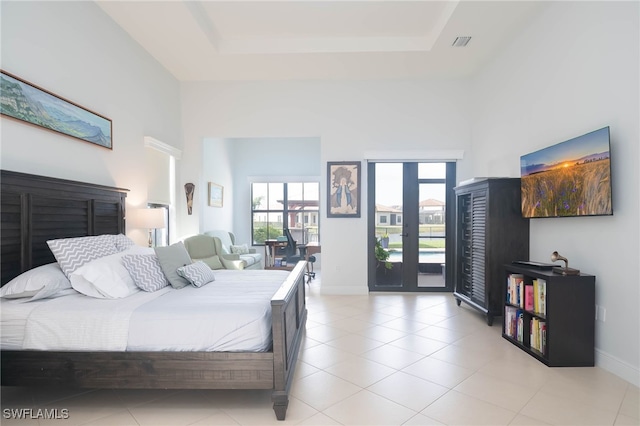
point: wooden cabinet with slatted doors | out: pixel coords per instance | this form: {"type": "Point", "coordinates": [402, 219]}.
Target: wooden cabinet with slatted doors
{"type": "Point", "coordinates": [490, 232]}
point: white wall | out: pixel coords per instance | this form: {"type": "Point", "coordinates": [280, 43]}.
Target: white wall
{"type": "Point", "coordinates": [350, 118]}
{"type": "Point", "coordinates": [574, 70]}
{"type": "Point", "coordinates": [77, 52]}
{"type": "Point", "coordinates": [234, 163]}
{"type": "Point", "coordinates": [269, 160]}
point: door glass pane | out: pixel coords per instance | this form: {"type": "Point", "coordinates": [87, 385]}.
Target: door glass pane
{"type": "Point", "coordinates": [388, 222]}
{"type": "Point", "coordinates": [431, 239]}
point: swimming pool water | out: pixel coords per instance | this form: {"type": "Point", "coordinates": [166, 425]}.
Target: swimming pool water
{"type": "Point", "coordinates": [425, 256]}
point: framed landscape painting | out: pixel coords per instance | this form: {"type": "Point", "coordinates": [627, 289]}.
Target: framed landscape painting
{"type": "Point", "coordinates": [29, 103]}
{"type": "Point", "coordinates": [343, 192]}
{"type": "Point", "coordinates": [215, 194]}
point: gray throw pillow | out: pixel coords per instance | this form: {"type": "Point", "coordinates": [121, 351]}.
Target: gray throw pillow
{"type": "Point", "coordinates": [171, 258]}
{"type": "Point", "coordinates": [198, 273]}
{"type": "Point", "coordinates": [145, 271]}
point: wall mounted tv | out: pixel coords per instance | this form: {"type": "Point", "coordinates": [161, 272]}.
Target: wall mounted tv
{"type": "Point", "coordinates": [572, 178]}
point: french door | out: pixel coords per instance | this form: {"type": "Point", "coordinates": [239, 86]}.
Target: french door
{"type": "Point", "coordinates": [408, 218]}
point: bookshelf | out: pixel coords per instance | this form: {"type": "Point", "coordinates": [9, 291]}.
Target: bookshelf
{"type": "Point", "coordinates": [555, 323]}
{"type": "Point", "coordinates": [272, 260]}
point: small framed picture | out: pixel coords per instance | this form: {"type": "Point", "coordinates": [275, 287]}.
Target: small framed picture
{"type": "Point", "coordinates": [343, 189]}
{"type": "Point", "coordinates": [215, 194]}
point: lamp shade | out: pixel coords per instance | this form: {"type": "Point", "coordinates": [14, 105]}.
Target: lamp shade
{"type": "Point", "coordinates": [151, 218]}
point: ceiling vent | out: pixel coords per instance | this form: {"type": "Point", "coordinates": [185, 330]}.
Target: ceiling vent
{"type": "Point", "coordinates": [461, 41]}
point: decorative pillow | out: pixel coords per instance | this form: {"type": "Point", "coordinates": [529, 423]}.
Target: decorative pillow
{"type": "Point", "coordinates": [122, 242]}
{"type": "Point", "coordinates": [107, 277]}
{"type": "Point", "coordinates": [240, 249]}
{"type": "Point", "coordinates": [198, 273]}
{"type": "Point", "coordinates": [146, 271]}
{"type": "Point", "coordinates": [72, 253]}
{"type": "Point", "coordinates": [171, 258]}
{"type": "Point", "coordinates": [37, 283]}
{"type": "Point", "coordinates": [213, 262]}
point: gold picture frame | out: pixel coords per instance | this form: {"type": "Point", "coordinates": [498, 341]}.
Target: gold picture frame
{"type": "Point", "coordinates": [215, 194]}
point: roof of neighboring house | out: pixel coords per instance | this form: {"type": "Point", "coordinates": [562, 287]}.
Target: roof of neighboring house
{"type": "Point", "coordinates": [430, 202]}
{"type": "Point", "coordinates": [388, 209]}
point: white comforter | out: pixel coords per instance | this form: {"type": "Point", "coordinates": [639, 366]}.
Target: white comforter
{"type": "Point", "coordinates": [233, 313]}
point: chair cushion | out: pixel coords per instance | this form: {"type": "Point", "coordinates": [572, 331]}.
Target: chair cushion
{"type": "Point", "coordinates": [251, 258]}
{"type": "Point", "coordinates": [213, 262]}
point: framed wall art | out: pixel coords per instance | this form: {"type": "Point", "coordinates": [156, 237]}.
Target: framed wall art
{"type": "Point", "coordinates": [215, 194]}
{"type": "Point", "coordinates": [27, 102]}
{"type": "Point", "coordinates": [343, 189]}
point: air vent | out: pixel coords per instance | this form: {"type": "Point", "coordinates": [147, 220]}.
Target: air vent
{"type": "Point", "coordinates": [461, 41]}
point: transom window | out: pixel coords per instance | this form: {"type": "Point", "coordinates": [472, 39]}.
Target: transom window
{"type": "Point", "coordinates": [279, 205]}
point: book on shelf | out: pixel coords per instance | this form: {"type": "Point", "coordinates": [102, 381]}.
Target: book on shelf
{"type": "Point", "coordinates": [515, 289]}
{"type": "Point", "coordinates": [542, 284]}
{"type": "Point", "coordinates": [514, 323]}
{"type": "Point", "coordinates": [528, 297]}
{"type": "Point", "coordinates": [520, 326]}
{"type": "Point", "coordinates": [538, 335]}
{"type": "Point", "coordinates": [540, 296]}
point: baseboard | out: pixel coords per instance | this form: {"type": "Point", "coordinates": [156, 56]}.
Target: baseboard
{"type": "Point", "coordinates": [618, 367]}
{"type": "Point", "coordinates": [344, 290]}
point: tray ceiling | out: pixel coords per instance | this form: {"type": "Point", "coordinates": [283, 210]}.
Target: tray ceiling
{"type": "Point", "coordinates": [278, 40]}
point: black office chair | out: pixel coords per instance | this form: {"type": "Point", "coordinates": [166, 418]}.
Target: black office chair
{"type": "Point", "coordinates": [291, 253]}
{"type": "Point", "coordinates": [291, 249]}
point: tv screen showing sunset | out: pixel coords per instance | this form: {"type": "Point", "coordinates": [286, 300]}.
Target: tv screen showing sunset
{"type": "Point", "coordinates": [572, 178]}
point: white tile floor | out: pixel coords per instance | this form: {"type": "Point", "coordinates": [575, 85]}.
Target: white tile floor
{"type": "Point", "coordinates": [381, 359]}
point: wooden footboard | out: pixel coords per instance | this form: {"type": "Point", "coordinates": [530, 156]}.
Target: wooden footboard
{"type": "Point", "coordinates": [289, 315]}
{"type": "Point", "coordinates": [178, 370]}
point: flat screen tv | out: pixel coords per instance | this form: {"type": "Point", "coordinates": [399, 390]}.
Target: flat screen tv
{"type": "Point", "coordinates": [572, 178]}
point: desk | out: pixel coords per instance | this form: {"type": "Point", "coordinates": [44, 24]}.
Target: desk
{"type": "Point", "coordinates": [270, 247]}
{"type": "Point", "coordinates": [309, 250]}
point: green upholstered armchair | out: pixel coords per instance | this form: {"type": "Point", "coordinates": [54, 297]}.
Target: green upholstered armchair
{"type": "Point", "coordinates": [208, 249]}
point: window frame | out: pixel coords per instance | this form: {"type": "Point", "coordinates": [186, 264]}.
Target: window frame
{"type": "Point", "coordinates": [285, 212]}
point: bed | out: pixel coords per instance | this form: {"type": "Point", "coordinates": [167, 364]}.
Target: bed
{"type": "Point", "coordinates": [35, 209]}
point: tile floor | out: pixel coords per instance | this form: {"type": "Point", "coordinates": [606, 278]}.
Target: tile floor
{"type": "Point", "coordinates": [381, 359]}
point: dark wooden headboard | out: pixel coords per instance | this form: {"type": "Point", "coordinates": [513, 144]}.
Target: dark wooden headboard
{"type": "Point", "coordinates": [35, 209]}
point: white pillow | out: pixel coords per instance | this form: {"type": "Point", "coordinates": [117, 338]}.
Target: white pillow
{"type": "Point", "coordinates": [38, 283]}
{"type": "Point", "coordinates": [106, 277]}
{"type": "Point", "coordinates": [72, 253]}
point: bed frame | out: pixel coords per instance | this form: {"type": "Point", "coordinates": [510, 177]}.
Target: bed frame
{"type": "Point", "coordinates": [35, 209]}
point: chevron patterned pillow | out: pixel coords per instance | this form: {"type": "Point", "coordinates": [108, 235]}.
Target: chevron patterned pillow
{"type": "Point", "coordinates": [122, 242]}
{"type": "Point", "coordinates": [72, 253]}
{"type": "Point", "coordinates": [146, 271]}
{"type": "Point", "coordinates": [198, 273]}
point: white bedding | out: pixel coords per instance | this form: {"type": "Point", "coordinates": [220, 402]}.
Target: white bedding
{"type": "Point", "coordinates": [232, 313]}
